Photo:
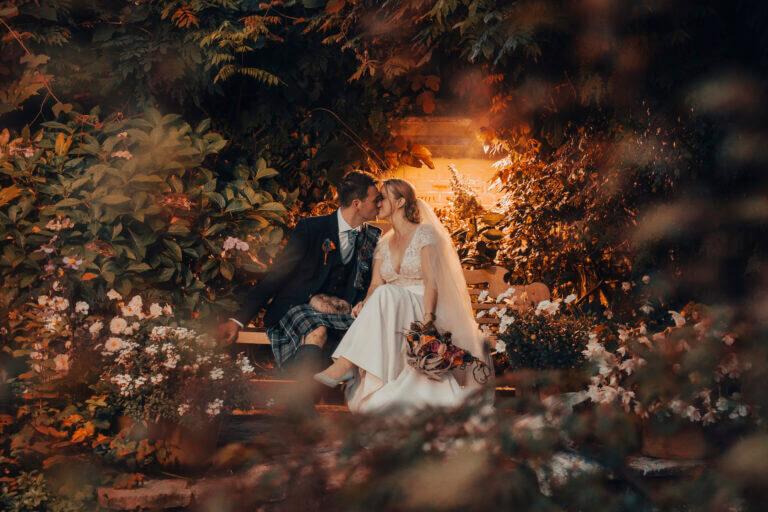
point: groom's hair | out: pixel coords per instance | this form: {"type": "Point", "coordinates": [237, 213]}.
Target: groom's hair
{"type": "Point", "coordinates": [355, 185]}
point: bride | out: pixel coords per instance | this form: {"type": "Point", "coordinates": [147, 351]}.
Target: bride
{"type": "Point", "coordinates": [417, 277]}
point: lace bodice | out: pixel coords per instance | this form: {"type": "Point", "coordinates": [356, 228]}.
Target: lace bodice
{"type": "Point", "coordinates": [410, 267]}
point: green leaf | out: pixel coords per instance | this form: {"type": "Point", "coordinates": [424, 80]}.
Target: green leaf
{"type": "Point", "coordinates": [61, 107]}
{"type": "Point", "coordinates": [174, 247]}
{"type": "Point", "coordinates": [271, 207]}
{"type": "Point", "coordinates": [227, 270]}
{"type": "Point", "coordinates": [493, 234]}
{"type": "Point", "coordinates": [266, 173]}
{"type": "Point", "coordinates": [138, 267]}
{"type": "Point", "coordinates": [178, 229]}
{"type": "Point", "coordinates": [492, 218]}
{"type": "Point", "coordinates": [147, 178]}
{"type": "Point", "coordinates": [114, 199]}
{"type": "Point", "coordinates": [214, 229]}
{"type": "Point", "coordinates": [238, 205]}
{"type": "Point", "coordinates": [204, 125]}
{"type": "Point", "coordinates": [71, 201]}
{"type": "Point", "coordinates": [216, 198]}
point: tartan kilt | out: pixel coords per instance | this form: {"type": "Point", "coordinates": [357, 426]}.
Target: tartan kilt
{"type": "Point", "coordinates": [285, 337]}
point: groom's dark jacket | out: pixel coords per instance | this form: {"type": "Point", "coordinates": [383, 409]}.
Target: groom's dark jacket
{"type": "Point", "coordinates": [301, 270]}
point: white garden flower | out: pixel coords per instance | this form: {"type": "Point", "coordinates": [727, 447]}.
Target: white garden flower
{"type": "Point", "coordinates": [62, 362]}
{"type": "Point", "coordinates": [151, 349]}
{"type": "Point", "coordinates": [182, 409]}
{"type": "Point", "coordinates": [594, 350]}
{"type": "Point", "coordinates": [60, 303]}
{"type": "Point", "coordinates": [626, 286]}
{"type": "Point", "coordinates": [678, 318]}
{"type": "Point", "coordinates": [117, 325]}
{"type": "Point", "coordinates": [95, 328]}
{"type": "Point", "coordinates": [501, 346]}
{"type": "Point", "coordinates": [217, 374]}
{"type": "Point", "coordinates": [483, 295]}
{"type": "Point", "coordinates": [155, 310]}
{"type": "Point", "coordinates": [646, 308]}
{"type": "Point", "coordinates": [608, 314]}
{"type": "Point", "coordinates": [570, 298]}
{"type": "Point", "coordinates": [245, 365]}
{"type": "Point", "coordinates": [114, 344]}
{"type": "Point", "coordinates": [112, 294]}
{"type": "Point", "coordinates": [134, 308]}
{"type": "Point", "coordinates": [214, 408]}
{"type": "Point", "coordinates": [168, 309]}
{"type": "Point", "coordinates": [646, 279]}
{"type": "Point", "coordinates": [157, 378]}
{"type": "Point", "coordinates": [506, 321]}
{"type": "Point", "coordinates": [548, 307]}
{"type": "Point", "coordinates": [159, 332]}
{"type": "Point", "coordinates": [626, 396]}
{"type": "Point", "coordinates": [82, 307]}
{"type": "Point", "coordinates": [505, 294]}
{"type": "Point", "coordinates": [43, 300]}
{"type": "Point", "coordinates": [728, 340]}
{"type": "Point", "coordinates": [171, 361]}
{"type": "Point", "coordinates": [481, 313]}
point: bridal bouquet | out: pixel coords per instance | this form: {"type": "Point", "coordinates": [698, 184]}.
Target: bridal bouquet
{"type": "Point", "coordinates": [433, 354]}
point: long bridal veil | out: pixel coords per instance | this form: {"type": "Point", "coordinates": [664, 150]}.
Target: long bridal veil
{"type": "Point", "coordinates": [454, 308]}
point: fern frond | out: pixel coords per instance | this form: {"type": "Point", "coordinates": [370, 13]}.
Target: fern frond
{"type": "Point", "coordinates": [260, 75]}
{"type": "Point", "coordinates": [224, 73]}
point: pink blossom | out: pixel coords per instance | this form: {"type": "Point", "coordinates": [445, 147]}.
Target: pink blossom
{"type": "Point", "coordinates": [72, 262]}
{"type": "Point", "coordinates": [122, 154]}
{"type": "Point", "coordinates": [235, 243]}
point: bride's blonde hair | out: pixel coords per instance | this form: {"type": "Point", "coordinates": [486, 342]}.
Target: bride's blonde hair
{"type": "Point", "coordinates": [401, 188]}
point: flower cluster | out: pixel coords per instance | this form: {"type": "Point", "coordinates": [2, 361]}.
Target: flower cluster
{"type": "Point", "coordinates": [164, 371]}
{"type": "Point", "coordinates": [645, 373]}
{"type": "Point", "coordinates": [235, 243]}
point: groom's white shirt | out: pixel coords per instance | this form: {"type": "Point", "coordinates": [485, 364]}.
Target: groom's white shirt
{"type": "Point", "coordinates": [346, 246]}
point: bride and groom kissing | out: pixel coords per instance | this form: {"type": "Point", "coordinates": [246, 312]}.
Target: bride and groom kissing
{"type": "Point", "coordinates": [339, 284]}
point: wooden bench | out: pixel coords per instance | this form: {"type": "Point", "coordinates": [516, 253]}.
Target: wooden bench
{"type": "Point", "coordinates": [491, 279]}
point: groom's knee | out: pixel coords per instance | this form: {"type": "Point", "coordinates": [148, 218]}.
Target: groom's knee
{"type": "Point", "coordinates": [317, 337]}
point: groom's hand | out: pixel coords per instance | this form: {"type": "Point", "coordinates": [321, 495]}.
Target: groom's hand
{"type": "Point", "coordinates": [227, 332]}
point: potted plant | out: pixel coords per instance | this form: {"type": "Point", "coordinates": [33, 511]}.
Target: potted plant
{"type": "Point", "coordinates": [542, 347]}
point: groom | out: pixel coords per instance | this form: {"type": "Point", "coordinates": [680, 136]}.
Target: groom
{"type": "Point", "coordinates": [329, 254]}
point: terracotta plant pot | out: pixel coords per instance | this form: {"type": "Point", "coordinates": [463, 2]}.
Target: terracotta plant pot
{"type": "Point", "coordinates": [686, 442]}
{"type": "Point", "coordinates": [185, 449]}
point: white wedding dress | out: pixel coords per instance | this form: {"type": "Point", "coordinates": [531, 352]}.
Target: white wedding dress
{"type": "Point", "coordinates": [374, 343]}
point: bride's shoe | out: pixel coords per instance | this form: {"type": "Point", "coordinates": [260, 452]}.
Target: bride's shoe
{"type": "Point", "coordinates": [332, 383]}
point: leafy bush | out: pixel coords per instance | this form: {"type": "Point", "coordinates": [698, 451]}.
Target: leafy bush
{"type": "Point", "coordinates": [540, 341]}
{"type": "Point", "coordinates": [691, 370]}
{"type": "Point", "coordinates": [133, 205]}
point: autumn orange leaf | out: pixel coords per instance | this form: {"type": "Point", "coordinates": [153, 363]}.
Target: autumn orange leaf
{"type": "Point", "coordinates": [50, 431]}
{"type": "Point", "coordinates": [79, 435]}
{"type": "Point", "coordinates": [88, 276]}
{"type": "Point", "coordinates": [335, 6]}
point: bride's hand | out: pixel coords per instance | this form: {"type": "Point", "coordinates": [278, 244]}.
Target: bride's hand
{"type": "Point", "coordinates": [357, 308]}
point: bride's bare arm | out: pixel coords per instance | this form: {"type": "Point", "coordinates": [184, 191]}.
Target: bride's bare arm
{"type": "Point", "coordinates": [430, 282]}
{"type": "Point", "coordinates": [376, 281]}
